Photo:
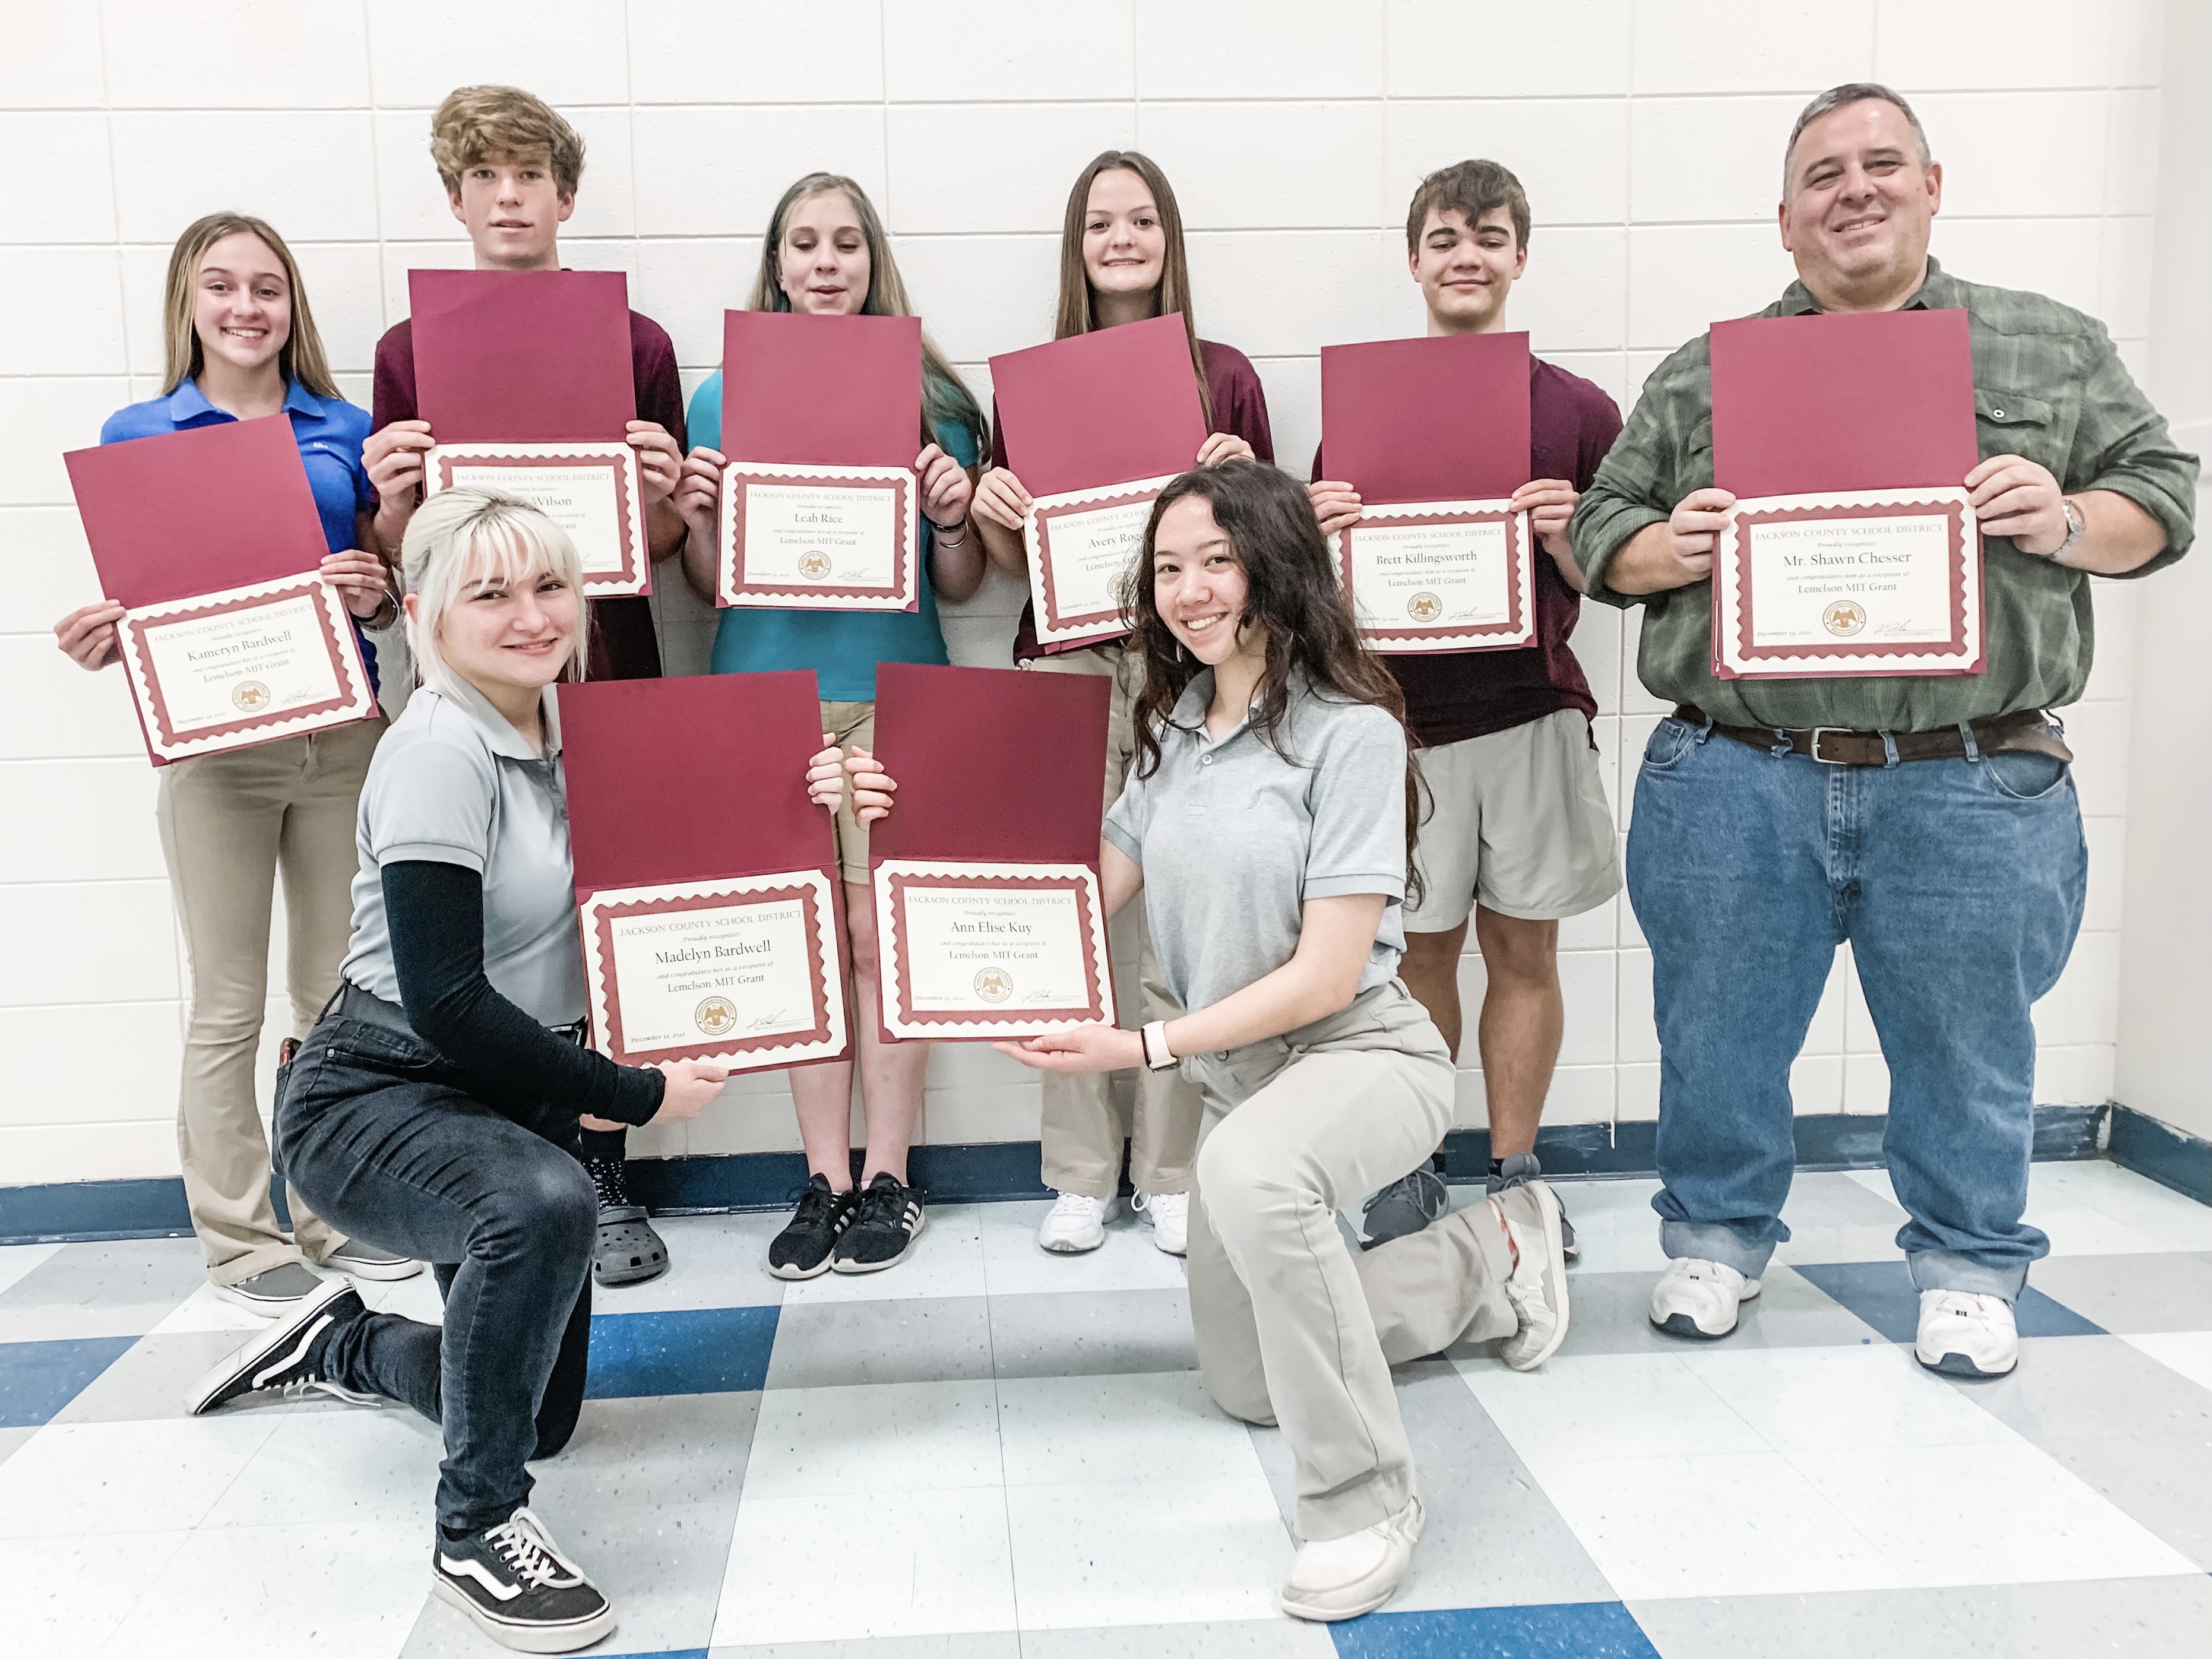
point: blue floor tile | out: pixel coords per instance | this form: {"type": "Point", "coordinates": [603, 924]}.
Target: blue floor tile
{"type": "Point", "coordinates": [37, 1379]}
{"type": "Point", "coordinates": [1573, 1630]}
{"type": "Point", "coordinates": [692, 1351]}
{"type": "Point", "coordinates": [1882, 1293]}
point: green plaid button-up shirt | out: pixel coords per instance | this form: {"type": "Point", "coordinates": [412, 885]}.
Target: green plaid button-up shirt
{"type": "Point", "coordinates": [2048, 386]}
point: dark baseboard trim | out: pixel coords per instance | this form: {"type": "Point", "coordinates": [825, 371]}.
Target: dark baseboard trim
{"type": "Point", "coordinates": [2171, 1156]}
{"type": "Point", "coordinates": [73, 1212]}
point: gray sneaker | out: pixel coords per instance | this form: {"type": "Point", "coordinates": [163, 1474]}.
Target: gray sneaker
{"type": "Point", "coordinates": [363, 1259]}
{"type": "Point", "coordinates": [1517, 1171]}
{"type": "Point", "coordinates": [273, 1291]}
{"type": "Point", "coordinates": [1406, 1206]}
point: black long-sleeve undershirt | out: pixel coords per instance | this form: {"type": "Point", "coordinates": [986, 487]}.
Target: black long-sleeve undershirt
{"type": "Point", "coordinates": [434, 917]}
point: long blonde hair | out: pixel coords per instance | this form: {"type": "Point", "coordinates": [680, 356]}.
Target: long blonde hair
{"type": "Point", "coordinates": [465, 536]}
{"type": "Point", "coordinates": [1079, 310]}
{"type": "Point", "coordinates": [300, 358]}
{"type": "Point", "coordinates": [945, 396]}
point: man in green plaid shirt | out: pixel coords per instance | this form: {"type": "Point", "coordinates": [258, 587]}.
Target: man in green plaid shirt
{"type": "Point", "coordinates": [1931, 821]}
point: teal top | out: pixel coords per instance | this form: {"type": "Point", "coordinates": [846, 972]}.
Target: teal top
{"type": "Point", "coordinates": [842, 647]}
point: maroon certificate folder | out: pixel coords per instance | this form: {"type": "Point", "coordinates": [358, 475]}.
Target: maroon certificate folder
{"type": "Point", "coordinates": [706, 879]}
{"type": "Point", "coordinates": [1852, 548]}
{"type": "Point", "coordinates": [821, 424]}
{"type": "Point", "coordinates": [1434, 434]}
{"type": "Point", "coordinates": [525, 377]}
{"type": "Point", "coordinates": [210, 539]}
{"type": "Point", "coordinates": [986, 872]}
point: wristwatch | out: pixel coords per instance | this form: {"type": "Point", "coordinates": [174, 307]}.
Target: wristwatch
{"type": "Point", "coordinates": [1156, 1057]}
{"type": "Point", "coordinates": [2076, 524]}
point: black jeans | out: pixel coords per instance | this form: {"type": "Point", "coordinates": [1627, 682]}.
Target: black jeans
{"type": "Point", "coordinates": [379, 1133]}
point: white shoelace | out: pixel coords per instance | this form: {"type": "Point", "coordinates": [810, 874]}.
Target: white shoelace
{"type": "Point", "coordinates": [529, 1553]}
{"type": "Point", "coordinates": [1074, 1206]}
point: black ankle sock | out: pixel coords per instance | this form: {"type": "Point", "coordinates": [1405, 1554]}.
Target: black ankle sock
{"type": "Point", "coordinates": [1498, 1166]}
{"type": "Point", "coordinates": [453, 1535]}
{"type": "Point", "coordinates": [609, 1144]}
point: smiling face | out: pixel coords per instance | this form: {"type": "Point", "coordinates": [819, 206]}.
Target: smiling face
{"type": "Point", "coordinates": [1125, 244]}
{"type": "Point", "coordinates": [502, 634]}
{"type": "Point", "coordinates": [513, 210]}
{"type": "Point", "coordinates": [1199, 585]}
{"type": "Point", "coordinates": [822, 262]}
{"type": "Point", "coordinates": [242, 302]}
{"type": "Point", "coordinates": [1858, 204]}
{"type": "Point", "coordinates": [1467, 270]}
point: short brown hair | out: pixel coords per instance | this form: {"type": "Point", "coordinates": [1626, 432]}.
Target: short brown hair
{"type": "Point", "coordinates": [1474, 188]}
{"type": "Point", "coordinates": [483, 124]}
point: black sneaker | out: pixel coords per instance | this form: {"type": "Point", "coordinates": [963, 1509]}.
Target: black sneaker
{"type": "Point", "coordinates": [513, 1580]}
{"type": "Point", "coordinates": [802, 1249]}
{"type": "Point", "coordinates": [1521, 1168]}
{"type": "Point", "coordinates": [626, 1250]}
{"type": "Point", "coordinates": [891, 1218]}
{"type": "Point", "coordinates": [287, 1358]}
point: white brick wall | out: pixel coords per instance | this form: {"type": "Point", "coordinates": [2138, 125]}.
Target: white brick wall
{"type": "Point", "coordinates": [1647, 132]}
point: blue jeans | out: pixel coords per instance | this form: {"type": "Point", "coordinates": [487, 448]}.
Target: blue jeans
{"type": "Point", "coordinates": [1960, 884]}
{"type": "Point", "coordinates": [375, 1126]}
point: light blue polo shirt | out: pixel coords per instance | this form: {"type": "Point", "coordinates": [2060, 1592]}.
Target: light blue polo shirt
{"type": "Point", "coordinates": [330, 432]}
{"type": "Point", "coordinates": [842, 647]}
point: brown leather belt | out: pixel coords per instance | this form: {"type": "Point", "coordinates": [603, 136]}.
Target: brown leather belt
{"type": "Point", "coordinates": [1836, 745]}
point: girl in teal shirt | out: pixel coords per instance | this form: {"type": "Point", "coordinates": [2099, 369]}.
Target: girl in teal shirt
{"type": "Point", "coordinates": [825, 254]}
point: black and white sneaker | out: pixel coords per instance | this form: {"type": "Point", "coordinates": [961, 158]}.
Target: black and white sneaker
{"type": "Point", "coordinates": [891, 1218]}
{"type": "Point", "coordinates": [513, 1580]}
{"type": "Point", "coordinates": [802, 1249]}
{"type": "Point", "coordinates": [287, 1358]}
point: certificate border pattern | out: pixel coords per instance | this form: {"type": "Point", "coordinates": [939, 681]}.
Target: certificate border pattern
{"type": "Point", "coordinates": [637, 575]}
{"type": "Point", "coordinates": [1517, 633]}
{"type": "Point", "coordinates": [893, 877]}
{"type": "Point", "coordinates": [827, 1039]}
{"type": "Point", "coordinates": [1918, 659]}
{"type": "Point", "coordinates": [731, 592]}
{"type": "Point", "coordinates": [354, 702]}
{"type": "Point", "coordinates": [1088, 627]}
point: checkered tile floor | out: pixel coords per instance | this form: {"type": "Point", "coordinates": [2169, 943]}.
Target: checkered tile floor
{"type": "Point", "coordinates": [989, 1452]}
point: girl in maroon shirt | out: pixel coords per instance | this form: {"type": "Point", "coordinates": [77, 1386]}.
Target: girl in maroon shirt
{"type": "Point", "coordinates": [1122, 260]}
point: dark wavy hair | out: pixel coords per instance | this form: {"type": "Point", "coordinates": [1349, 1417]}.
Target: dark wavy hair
{"type": "Point", "coordinates": [1292, 593]}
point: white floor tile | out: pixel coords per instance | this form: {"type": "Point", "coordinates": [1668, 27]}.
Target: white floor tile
{"type": "Point", "coordinates": [365, 1465]}
{"type": "Point", "coordinates": [1813, 1398]}
{"type": "Point", "coordinates": [203, 1311]}
{"type": "Point", "coordinates": [2189, 1353]}
{"type": "Point", "coordinates": [415, 1298]}
{"type": "Point", "coordinates": [1015, 1264]}
{"type": "Point", "coordinates": [17, 1259]}
{"type": "Point", "coordinates": [1166, 1552]}
{"type": "Point", "coordinates": [2169, 1220]}
{"type": "Point", "coordinates": [1614, 1224]}
{"type": "Point", "coordinates": [1153, 1426]}
{"type": "Point", "coordinates": [127, 1477]}
{"type": "Point", "coordinates": [2059, 1201]}
{"type": "Point", "coordinates": [1601, 1406]}
{"type": "Point", "coordinates": [333, 1592]}
{"type": "Point", "coordinates": [947, 1260]}
{"type": "Point", "coordinates": [1984, 1515]}
{"type": "Point", "coordinates": [65, 1597]}
{"type": "Point", "coordinates": [870, 1437]}
{"type": "Point", "coordinates": [1720, 1525]}
{"type": "Point", "coordinates": [824, 1568]}
{"type": "Point", "coordinates": [713, 1261]}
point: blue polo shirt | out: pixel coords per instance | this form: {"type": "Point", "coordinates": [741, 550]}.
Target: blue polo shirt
{"type": "Point", "coordinates": [329, 431]}
{"type": "Point", "coordinates": [842, 647]}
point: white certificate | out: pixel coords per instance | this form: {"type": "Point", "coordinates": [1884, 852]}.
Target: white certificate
{"type": "Point", "coordinates": [975, 950]}
{"type": "Point", "coordinates": [245, 665]}
{"type": "Point", "coordinates": [589, 489]}
{"type": "Point", "coordinates": [1085, 549]}
{"type": "Point", "coordinates": [819, 537]}
{"type": "Point", "coordinates": [1874, 582]}
{"type": "Point", "coordinates": [1441, 576]}
{"type": "Point", "coordinates": [746, 973]}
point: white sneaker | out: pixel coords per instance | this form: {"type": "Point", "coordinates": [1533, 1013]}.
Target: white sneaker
{"type": "Point", "coordinates": [1343, 1577]}
{"type": "Point", "coordinates": [1695, 1298]}
{"type": "Point", "coordinates": [1538, 1287]}
{"type": "Point", "coordinates": [1170, 1214]}
{"type": "Point", "coordinates": [1075, 1223]}
{"type": "Point", "coordinates": [1965, 1333]}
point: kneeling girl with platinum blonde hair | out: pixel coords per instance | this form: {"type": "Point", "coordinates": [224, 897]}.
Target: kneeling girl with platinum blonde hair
{"type": "Point", "coordinates": [434, 1108]}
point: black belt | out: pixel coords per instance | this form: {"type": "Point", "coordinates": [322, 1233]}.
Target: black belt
{"type": "Point", "coordinates": [353, 1003]}
{"type": "Point", "coordinates": [1837, 745]}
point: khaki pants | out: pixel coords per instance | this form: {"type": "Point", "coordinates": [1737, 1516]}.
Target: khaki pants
{"type": "Point", "coordinates": [1292, 1327]}
{"type": "Point", "coordinates": [229, 824]}
{"type": "Point", "coordinates": [1084, 1124]}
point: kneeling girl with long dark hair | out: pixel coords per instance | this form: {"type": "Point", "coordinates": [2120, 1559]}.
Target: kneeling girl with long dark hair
{"type": "Point", "coordinates": [433, 1108]}
{"type": "Point", "coordinates": [1268, 819]}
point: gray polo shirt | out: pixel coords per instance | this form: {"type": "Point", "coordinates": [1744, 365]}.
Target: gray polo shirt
{"type": "Point", "coordinates": [453, 782]}
{"type": "Point", "coordinates": [1234, 838]}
